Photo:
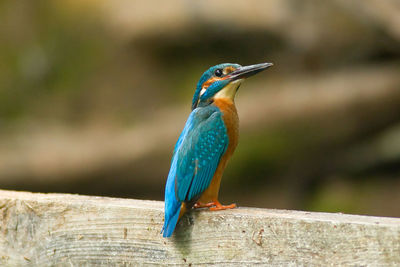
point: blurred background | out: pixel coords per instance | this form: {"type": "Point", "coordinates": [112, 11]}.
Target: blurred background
{"type": "Point", "coordinates": [94, 94]}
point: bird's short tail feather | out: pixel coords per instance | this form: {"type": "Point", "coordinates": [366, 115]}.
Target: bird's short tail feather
{"type": "Point", "coordinates": [170, 224]}
{"type": "Point", "coordinates": [173, 212]}
{"type": "Point", "coordinates": [172, 204]}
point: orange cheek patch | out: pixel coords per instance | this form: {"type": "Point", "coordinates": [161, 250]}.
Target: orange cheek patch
{"type": "Point", "coordinates": [207, 83]}
{"type": "Point", "coordinates": [210, 81]}
{"type": "Point", "coordinates": [228, 70]}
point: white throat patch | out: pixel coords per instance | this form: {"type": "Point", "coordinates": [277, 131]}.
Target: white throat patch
{"type": "Point", "coordinates": [203, 90]}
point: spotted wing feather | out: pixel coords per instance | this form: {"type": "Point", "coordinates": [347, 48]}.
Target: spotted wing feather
{"type": "Point", "coordinates": [199, 154]}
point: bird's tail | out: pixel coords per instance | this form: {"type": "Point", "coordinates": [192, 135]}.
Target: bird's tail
{"type": "Point", "coordinates": [173, 207]}
{"type": "Point", "coordinates": [172, 214]}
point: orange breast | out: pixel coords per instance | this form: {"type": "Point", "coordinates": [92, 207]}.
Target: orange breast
{"type": "Point", "coordinates": [231, 120]}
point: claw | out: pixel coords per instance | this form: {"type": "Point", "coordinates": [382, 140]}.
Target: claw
{"type": "Point", "coordinates": [199, 205]}
{"type": "Point", "coordinates": [214, 205]}
{"type": "Point", "coordinates": [219, 206]}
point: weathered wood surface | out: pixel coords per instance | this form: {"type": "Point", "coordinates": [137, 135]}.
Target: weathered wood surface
{"type": "Point", "coordinates": [72, 230]}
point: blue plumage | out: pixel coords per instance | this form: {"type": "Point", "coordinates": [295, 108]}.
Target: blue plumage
{"type": "Point", "coordinates": [196, 156]}
{"type": "Point", "coordinates": [204, 141]}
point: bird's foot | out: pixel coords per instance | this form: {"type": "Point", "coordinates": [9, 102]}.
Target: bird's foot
{"type": "Point", "coordinates": [214, 205]}
{"type": "Point", "coordinates": [199, 205]}
{"type": "Point", "coordinates": [219, 206]}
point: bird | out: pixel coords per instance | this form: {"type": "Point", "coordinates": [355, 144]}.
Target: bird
{"type": "Point", "coordinates": [206, 143]}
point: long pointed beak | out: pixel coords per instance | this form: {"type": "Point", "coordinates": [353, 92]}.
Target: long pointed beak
{"type": "Point", "coordinates": [247, 71]}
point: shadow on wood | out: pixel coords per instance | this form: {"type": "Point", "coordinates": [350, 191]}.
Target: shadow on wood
{"type": "Point", "coordinates": [182, 237]}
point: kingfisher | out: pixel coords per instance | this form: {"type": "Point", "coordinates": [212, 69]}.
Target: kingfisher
{"type": "Point", "coordinates": [206, 143]}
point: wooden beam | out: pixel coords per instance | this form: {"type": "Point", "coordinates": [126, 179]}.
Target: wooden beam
{"type": "Point", "coordinates": [61, 229]}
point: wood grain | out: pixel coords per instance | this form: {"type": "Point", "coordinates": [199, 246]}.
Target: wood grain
{"type": "Point", "coordinates": [72, 230]}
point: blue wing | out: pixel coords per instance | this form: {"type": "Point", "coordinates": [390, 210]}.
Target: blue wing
{"type": "Point", "coordinates": [196, 157]}
{"type": "Point", "coordinates": [199, 153]}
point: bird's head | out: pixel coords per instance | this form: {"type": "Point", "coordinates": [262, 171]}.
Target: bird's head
{"type": "Point", "coordinates": [222, 81]}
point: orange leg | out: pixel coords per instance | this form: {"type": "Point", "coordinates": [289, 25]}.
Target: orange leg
{"type": "Point", "coordinates": [214, 205]}
{"type": "Point", "coordinates": [209, 198]}
{"type": "Point", "coordinates": [200, 205]}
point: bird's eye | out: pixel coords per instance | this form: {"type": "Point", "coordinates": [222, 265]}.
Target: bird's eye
{"type": "Point", "coordinates": [218, 72]}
